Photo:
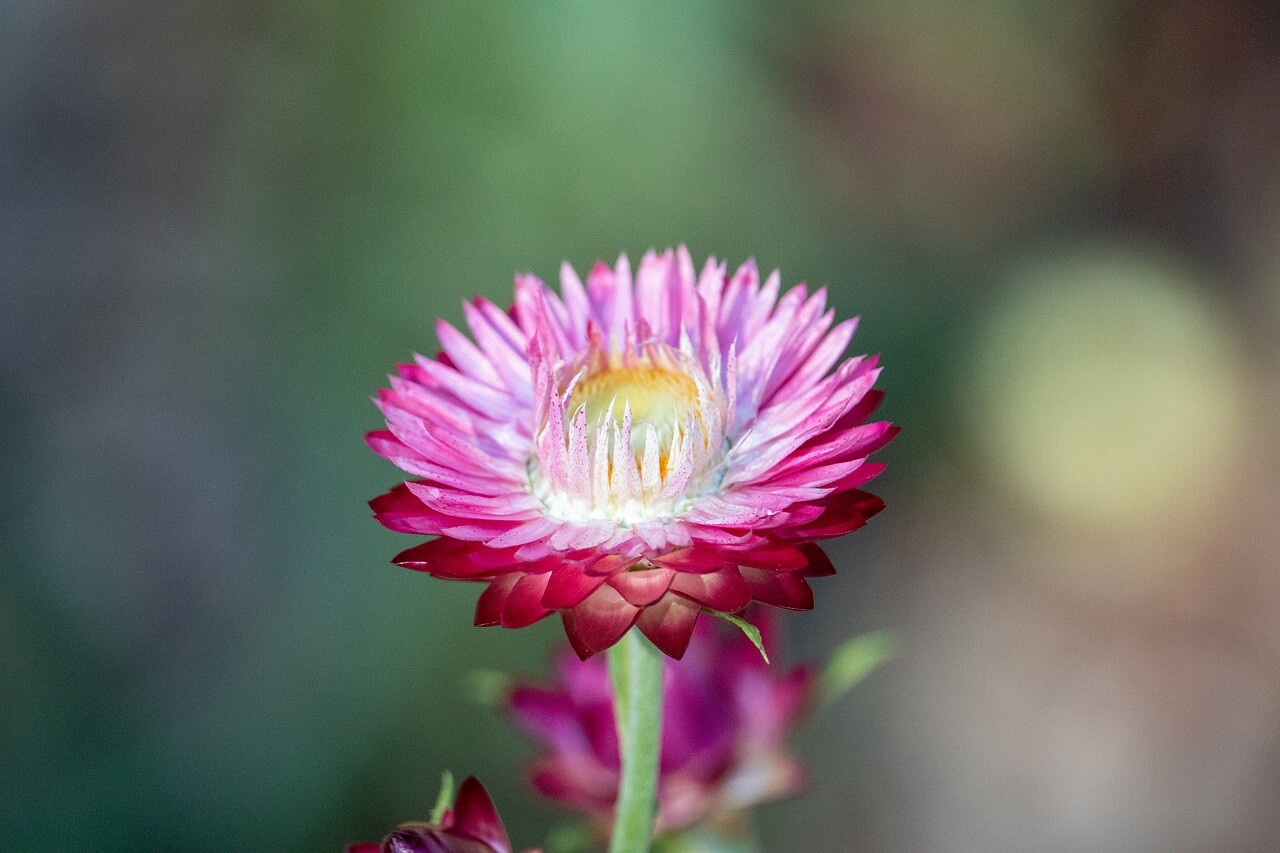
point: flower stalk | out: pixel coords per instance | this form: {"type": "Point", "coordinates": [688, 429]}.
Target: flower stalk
{"type": "Point", "coordinates": [635, 669]}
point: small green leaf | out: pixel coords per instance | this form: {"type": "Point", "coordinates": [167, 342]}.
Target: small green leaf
{"type": "Point", "coordinates": [854, 661]}
{"type": "Point", "coordinates": [752, 632]}
{"type": "Point", "coordinates": [444, 799]}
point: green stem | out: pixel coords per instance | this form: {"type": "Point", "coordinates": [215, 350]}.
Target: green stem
{"type": "Point", "coordinates": [635, 668]}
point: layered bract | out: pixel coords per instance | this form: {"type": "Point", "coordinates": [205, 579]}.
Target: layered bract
{"type": "Point", "coordinates": [632, 450]}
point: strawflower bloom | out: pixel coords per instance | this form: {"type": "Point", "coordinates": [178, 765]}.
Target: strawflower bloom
{"type": "Point", "coordinates": [726, 715]}
{"type": "Point", "coordinates": [471, 826]}
{"type": "Point", "coordinates": [632, 450]}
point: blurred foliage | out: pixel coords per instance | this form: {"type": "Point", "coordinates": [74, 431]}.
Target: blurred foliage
{"type": "Point", "coordinates": [223, 224]}
{"type": "Point", "coordinates": [852, 661]}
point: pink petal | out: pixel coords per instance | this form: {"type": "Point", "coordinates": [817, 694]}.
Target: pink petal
{"type": "Point", "coordinates": [642, 587]}
{"type": "Point", "coordinates": [779, 589]}
{"type": "Point", "coordinates": [669, 624]}
{"type": "Point", "coordinates": [523, 606]}
{"type": "Point", "coordinates": [695, 560]}
{"type": "Point", "coordinates": [842, 513]}
{"type": "Point", "coordinates": [465, 355]}
{"type": "Point", "coordinates": [445, 558]}
{"type": "Point", "coordinates": [529, 531]}
{"type": "Point", "coordinates": [599, 621]}
{"type": "Point", "coordinates": [588, 788]}
{"type": "Point", "coordinates": [489, 605]}
{"type": "Point", "coordinates": [724, 590]}
{"type": "Point", "coordinates": [865, 473]}
{"type": "Point", "coordinates": [546, 714]}
{"type": "Point", "coordinates": [451, 502]}
{"type": "Point", "coordinates": [570, 584]}
{"type": "Point", "coordinates": [611, 563]}
{"type": "Point", "coordinates": [776, 556]}
{"type": "Point", "coordinates": [399, 510]}
{"type": "Point", "coordinates": [819, 565]}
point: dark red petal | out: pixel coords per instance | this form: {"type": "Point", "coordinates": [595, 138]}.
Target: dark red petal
{"type": "Point", "coordinates": [569, 584]}
{"type": "Point", "coordinates": [599, 621]}
{"type": "Point", "coordinates": [501, 558]}
{"type": "Point", "coordinates": [399, 510]}
{"type": "Point", "coordinates": [363, 847]}
{"type": "Point", "coordinates": [723, 590]}
{"type": "Point", "coordinates": [780, 589]}
{"type": "Point", "coordinates": [611, 563]}
{"type": "Point", "coordinates": [696, 559]}
{"type": "Point", "coordinates": [669, 624]}
{"type": "Point", "coordinates": [773, 555]}
{"type": "Point", "coordinates": [398, 500]}
{"type": "Point", "coordinates": [475, 817]}
{"type": "Point", "coordinates": [453, 559]}
{"type": "Point", "coordinates": [842, 513]}
{"type": "Point", "coordinates": [523, 606]}
{"type": "Point", "coordinates": [642, 587]}
{"type": "Point", "coordinates": [819, 565]}
{"type": "Point", "coordinates": [491, 601]}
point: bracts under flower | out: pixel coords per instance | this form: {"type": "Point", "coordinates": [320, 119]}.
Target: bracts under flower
{"type": "Point", "coordinates": [634, 449]}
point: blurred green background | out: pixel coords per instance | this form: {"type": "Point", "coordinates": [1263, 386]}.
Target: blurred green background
{"type": "Point", "coordinates": [222, 223]}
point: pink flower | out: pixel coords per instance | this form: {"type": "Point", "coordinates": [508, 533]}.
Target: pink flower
{"type": "Point", "coordinates": [725, 717]}
{"type": "Point", "coordinates": [471, 826]}
{"type": "Point", "coordinates": [630, 451]}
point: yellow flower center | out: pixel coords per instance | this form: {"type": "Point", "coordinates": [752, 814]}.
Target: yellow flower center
{"type": "Point", "coordinates": [658, 396]}
{"type": "Point", "coordinates": [667, 455]}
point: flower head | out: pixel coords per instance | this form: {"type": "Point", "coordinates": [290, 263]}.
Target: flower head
{"type": "Point", "coordinates": [634, 449]}
{"type": "Point", "coordinates": [471, 826]}
{"type": "Point", "coordinates": [725, 718]}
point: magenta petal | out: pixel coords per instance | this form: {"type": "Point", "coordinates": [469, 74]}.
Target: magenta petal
{"type": "Point", "coordinates": [819, 565]}
{"type": "Point", "coordinates": [692, 560]}
{"type": "Point", "coordinates": [476, 818]}
{"type": "Point", "coordinates": [599, 621]}
{"type": "Point", "coordinates": [489, 605]}
{"type": "Point", "coordinates": [642, 587]}
{"type": "Point", "coordinates": [861, 410]}
{"type": "Point", "coordinates": [724, 590]}
{"type": "Point", "coordinates": [446, 558]}
{"type": "Point", "coordinates": [780, 589]}
{"type": "Point", "coordinates": [863, 474]}
{"type": "Point", "coordinates": [546, 714]}
{"type": "Point", "coordinates": [669, 624]}
{"type": "Point", "coordinates": [610, 563]}
{"type": "Point", "coordinates": [842, 513]}
{"type": "Point", "coordinates": [523, 606]}
{"type": "Point", "coordinates": [399, 510]}
{"type": "Point", "coordinates": [588, 788]}
{"type": "Point", "coordinates": [774, 555]}
{"type": "Point", "coordinates": [569, 584]}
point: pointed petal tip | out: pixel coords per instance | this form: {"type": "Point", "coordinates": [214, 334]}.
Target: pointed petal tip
{"type": "Point", "coordinates": [669, 624]}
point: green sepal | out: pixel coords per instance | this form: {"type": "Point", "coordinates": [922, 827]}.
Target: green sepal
{"type": "Point", "coordinates": [752, 632]}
